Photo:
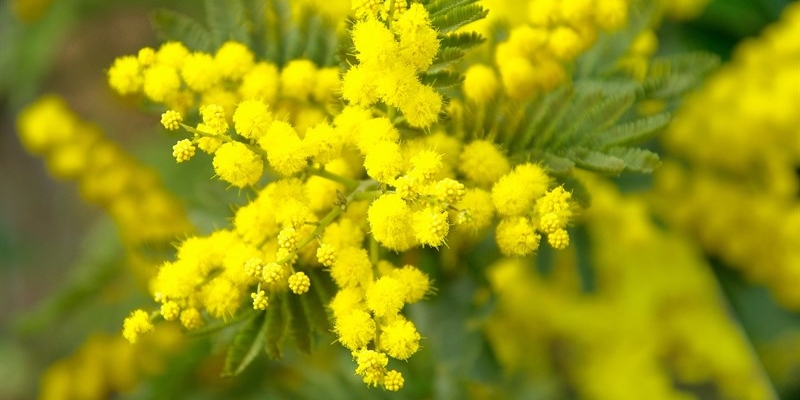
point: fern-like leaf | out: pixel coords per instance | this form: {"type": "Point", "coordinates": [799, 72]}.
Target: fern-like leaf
{"type": "Point", "coordinates": [633, 132]}
{"type": "Point", "coordinates": [227, 21]}
{"type": "Point", "coordinates": [170, 25]}
{"type": "Point", "coordinates": [446, 57]}
{"type": "Point", "coordinates": [246, 345]}
{"type": "Point", "coordinates": [462, 40]}
{"type": "Point", "coordinates": [635, 159]}
{"type": "Point", "coordinates": [443, 79]}
{"type": "Point", "coordinates": [457, 17]}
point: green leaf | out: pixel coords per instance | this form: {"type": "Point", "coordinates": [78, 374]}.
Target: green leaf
{"type": "Point", "coordinates": [673, 76]}
{"type": "Point", "coordinates": [556, 164]}
{"type": "Point", "coordinates": [457, 17]}
{"type": "Point", "coordinates": [170, 25]}
{"type": "Point", "coordinates": [315, 308]}
{"type": "Point", "coordinates": [634, 131]}
{"type": "Point", "coordinates": [445, 58]}
{"type": "Point", "coordinates": [636, 160]}
{"type": "Point", "coordinates": [442, 79]}
{"type": "Point", "coordinates": [463, 40]}
{"type": "Point", "coordinates": [276, 327]}
{"type": "Point", "coordinates": [227, 20]}
{"type": "Point", "coordinates": [246, 345]}
{"type": "Point", "coordinates": [298, 322]}
{"type": "Point", "coordinates": [441, 7]}
{"type": "Point", "coordinates": [597, 161]}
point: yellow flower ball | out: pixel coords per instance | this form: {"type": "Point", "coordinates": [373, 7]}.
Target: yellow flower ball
{"type": "Point", "coordinates": [237, 164]}
{"type": "Point", "coordinates": [390, 223]}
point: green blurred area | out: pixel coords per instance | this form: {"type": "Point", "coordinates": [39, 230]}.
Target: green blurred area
{"type": "Point", "coordinates": [55, 252]}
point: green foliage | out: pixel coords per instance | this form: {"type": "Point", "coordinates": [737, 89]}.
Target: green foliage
{"type": "Point", "coordinates": [672, 76]}
{"type": "Point", "coordinates": [449, 15]}
{"type": "Point", "coordinates": [246, 345]}
{"type": "Point", "coordinates": [268, 28]}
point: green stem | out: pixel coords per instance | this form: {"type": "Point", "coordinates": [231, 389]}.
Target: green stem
{"type": "Point", "coordinates": [374, 251]}
{"type": "Point", "coordinates": [323, 223]}
{"type": "Point", "coordinates": [350, 184]}
{"type": "Point", "coordinates": [227, 139]}
{"type": "Point", "coordinates": [213, 328]}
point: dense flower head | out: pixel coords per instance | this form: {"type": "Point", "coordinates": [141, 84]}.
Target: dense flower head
{"type": "Point", "coordinates": [236, 164]}
{"type": "Point", "coordinates": [252, 119]}
{"type": "Point", "coordinates": [360, 167]}
{"type": "Point", "coordinates": [136, 325]}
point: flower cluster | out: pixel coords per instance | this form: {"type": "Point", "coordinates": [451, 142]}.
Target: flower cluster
{"type": "Point", "coordinates": [340, 192]}
{"type": "Point", "coordinates": [105, 366]}
{"type": "Point", "coordinates": [74, 149]}
{"type": "Point", "coordinates": [677, 333]}
{"type": "Point", "coordinates": [389, 59]}
{"type": "Point", "coordinates": [537, 55]}
{"type": "Point", "coordinates": [750, 162]}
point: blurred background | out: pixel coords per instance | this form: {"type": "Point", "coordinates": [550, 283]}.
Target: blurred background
{"type": "Point", "coordinates": [57, 252]}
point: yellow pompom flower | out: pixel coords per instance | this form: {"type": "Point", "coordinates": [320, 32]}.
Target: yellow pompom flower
{"type": "Point", "coordinates": [449, 191]}
{"type": "Point", "coordinates": [351, 268]}
{"type": "Point", "coordinates": [233, 60]}
{"type": "Point", "coordinates": [136, 325]}
{"type": "Point", "coordinates": [327, 85]}
{"type": "Point", "coordinates": [285, 150]}
{"type": "Point", "coordinates": [183, 150]}
{"type": "Point", "coordinates": [371, 366]}
{"type": "Point", "coordinates": [559, 239]}
{"type": "Point", "coordinates": [326, 254]}
{"type": "Point", "coordinates": [515, 192]}
{"type": "Point", "coordinates": [260, 300]}
{"type": "Point", "coordinates": [260, 83]}
{"type": "Point", "coordinates": [480, 84]}
{"type": "Point", "coordinates": [272, 273]}
{"type": "Point", "coordinates": [237, 164]}
{"type": "Point", "coordinates": [374, 43]}
{"type": "Point", "coordinates": [172, 54]}
{"type": "Point", "coordinates": [214, 119]}
{"type": "Point", "coordinates": [422, 107]}
{"type": "Point", "coordinates": [431, 226]}
{"type": "Point", "coordinates": [253, 267]}
{"type": "Point", "coordinates": [425, 165]}
{"type": "Point", "coordinates": [400, 339]}
{"type": "Point", "coordinates": [191, 319]}
{"type": "Point", "coordinates": [221, 298]}
{"type": "Point", "coordinates": [477, 209]}
{"type": "Point", "coordinates": [171, 120]}
{"type": "Point", "coordinates": [386, 296]}
{"type": "Point", "coordinates": [415, 281]}
{"type": "Point", "coordinates": [198, 72]}
{"type": "Point", "coordinates": [298, 79]}
{"type": "Point", "coordinates": [323, 143]}
{"type": "Point", "coordinates": [558, 203]}
{"type": "Point", "coordinates": [390, 222]}
{"type": "Point", "coordinates": [516, 237]}
{"type": "Point", "coordinates": [393, 381]}
{"type": "Point", "coordinates": [299, 283]}
{"type": "Point", "coordinates": [358, 86]}
{"type": "Point", "coordinates": [418, 40]}
{"type": "Point", "coordinates": [518, 77]}
{"type": "Point", "coordinates": [383, 161]}
{"type": "Point", "coordinates": [482, 162]}
{"type": "Point", "coordinates": [252, 119]}
{"type": "Point", "coordinates": [346, 300]}
{"type": "Point", "coordinates": [373, 131]}
{"type": "Point", "coordinates": [611, 14]}
{"type": "Point", "coordinates": [170, 310]}
{"type": "Point", "coordinates": [146, 56]}
{"type": "Point", "coordinates": [565, 43]}
{"type": "Point", "coordinates": [160, 82]}
{"type": "Point", "coordinates": [125, 76]}
{"type": "Point", "coordinates": [355, 329]}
